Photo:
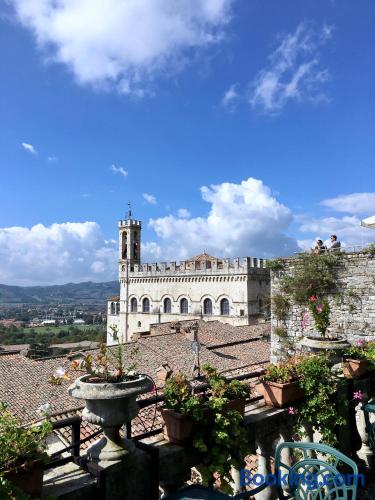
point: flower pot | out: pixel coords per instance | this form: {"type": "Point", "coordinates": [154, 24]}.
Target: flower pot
{"type": "Point", "coordinates": [279, 395]}
{"type": "Point", "coordinates": [319, 345]}
{"type": "Point", "coordinates": [110, 405]}
{"type": "Point", "coordinates": [355, 368]}
{"type": "Point", "coordinates": [27, 477]}
{"type": "Point", "coordinates": [238, 405]}
{"type": "Point", "coordinates": [178, 428]}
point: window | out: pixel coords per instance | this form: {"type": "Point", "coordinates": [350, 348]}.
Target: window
{"type": "Point", "coordinates": [113, 308]}
{"type": "Point", "coordinates": [242, 312]}
{"type": "Point", "coordinates": [133, 305]}
{"type": "Point", "coordinates": [139, 324]}
{"type": "Point", "coordinates": [184, 306]}
{"type": "Point", "coordinates": [224, 307]}
{"type": "Point", "coordinates": [146, 305]}
{"type": "Point", "coordinates": [207, 306]}
{"type": "Point", "coordinates": [117, 307]}
{"type": "Point", "coordinates": [167, 305]}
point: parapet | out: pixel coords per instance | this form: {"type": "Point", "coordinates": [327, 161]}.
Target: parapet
{"type": "Point", "coordinates": [217, 266]}
{"type": "Point", "coordinates": [129, 223]}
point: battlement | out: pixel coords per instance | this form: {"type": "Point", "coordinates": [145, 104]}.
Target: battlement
{"type": "Point", "coordinates": [129, 222]}
{"type": "Point", "coordinates": [217, 266]}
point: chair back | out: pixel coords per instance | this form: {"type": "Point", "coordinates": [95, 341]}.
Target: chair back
{"type": "Point", "coordinates": [315, 472]}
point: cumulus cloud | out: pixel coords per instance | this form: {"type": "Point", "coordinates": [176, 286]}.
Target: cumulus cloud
{"type": "Point", "coordinates": [183, 213]}
{"type": "Point", "coordinates": [29, 147]}
{"type": "Point", "coordinates": [243, 219]}
{"type": "Point", "coordinates": [294, 71]}
{"type": "Point", "coordinates": [119, 170]}
{"type": "Point", "coordinates": [123, 44]}
{"type": "Point", "coordinates": [56, 254]}
{"type": "Point", "coordinates": [149, 198]}
{"type": "Point", "coordinates": [231, 97]}
{"type": "Point", "coordinates": [355, 203]}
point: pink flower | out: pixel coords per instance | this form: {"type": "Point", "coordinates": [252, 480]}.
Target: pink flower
{"type": "Point", "coordinates": [360, 343]}
{"type": "Point", "coordinates": [319, 308]}
{"type": "Point", "coordinates": [292, 410]}
{"type": "Point", "coordinates": [153, 390]}
{"type": "Point", "coordinates": [305, 319]}
{"type": "Point", "coordinates": [358, 395]}
{"type": "Point", "coordinates": [313, 298]}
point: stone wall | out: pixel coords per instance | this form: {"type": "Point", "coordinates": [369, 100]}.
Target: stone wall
{"type": "Point", "coordinates": [352, 305]}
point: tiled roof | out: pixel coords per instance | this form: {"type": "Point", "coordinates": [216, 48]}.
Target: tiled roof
{"type": "Point", "coordinates": [201, 257]}
{"type": "Point", "coordinates": [24, 382]}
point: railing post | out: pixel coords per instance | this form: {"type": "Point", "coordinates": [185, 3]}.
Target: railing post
{"type": "Point", "coordinates": [265, 451]}
{"type": "Point", "coordinates": [76, 435]}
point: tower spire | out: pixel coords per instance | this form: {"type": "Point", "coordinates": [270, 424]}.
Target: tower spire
{"type": "Point", "coordinates": [130, 210]}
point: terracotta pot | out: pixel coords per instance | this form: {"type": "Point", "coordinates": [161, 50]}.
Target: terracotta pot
{"type": "Point", "coordinates": [355, 368]}
{"type": "Point", "coordinates": [178, 428]}
{"type": "Point", "coordinates": [28, 478]}
{"type": "Point", "coordinates": [238, 405]}
{"type": "Point", "coordinates": [279, 395]}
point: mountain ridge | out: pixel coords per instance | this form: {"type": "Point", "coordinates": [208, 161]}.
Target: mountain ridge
{"type": "Point", "coordinates": [86, 292]}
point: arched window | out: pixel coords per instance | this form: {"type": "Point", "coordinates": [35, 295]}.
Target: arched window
{"type": "Point", "coordinates": [117, 307]}
{"type": "Point", "coordinates": [184, 306]}
{"type": "Point", "coordinates": [207, 306]}
{"type": "Point", "coordinates": [224, 307]}
{"type": "Point", "coordinates": [167, 307]}
{"type": "Point", "coordinates": [133, 305]}
{"type": "Point", "coordinates": [146, 305]}
{"type": "Point", "coordinates": [113, 308]}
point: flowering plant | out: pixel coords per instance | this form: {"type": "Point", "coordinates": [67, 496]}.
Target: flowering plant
{"type": "Point", "coordinates": [320, 311]}
{"type": "Point", "coordinates": [106, 365]}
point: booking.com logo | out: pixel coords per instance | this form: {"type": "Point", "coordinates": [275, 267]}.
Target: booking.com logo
{"type": "Point", "coordinates": [310, 480]}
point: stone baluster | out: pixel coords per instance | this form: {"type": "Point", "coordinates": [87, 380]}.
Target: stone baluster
{"type": "Point", "coordinates": [265, 451]}
{"type": "Point", "coordinates": [364, 453]}
{"type": "Point", "coordinates": [236, 480]}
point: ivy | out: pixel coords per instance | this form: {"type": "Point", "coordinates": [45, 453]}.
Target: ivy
{"type": "Point", "coordinates": [275, 264]}
{"type": "Point", "coordinates": [280, 306]}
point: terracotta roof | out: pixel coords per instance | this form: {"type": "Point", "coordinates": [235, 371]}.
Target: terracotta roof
{"type": "Point", "coordinates": [115, 298]}
{"type": "Point", "coordinates": [201, 257]}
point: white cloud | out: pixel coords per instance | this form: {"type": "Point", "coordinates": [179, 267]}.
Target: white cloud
{"type": "Point", "coordinates": [72, 251]}
{"type": "Point", "coordinates": [123, 44]}
{"type": "Point", "coordinates": [183, 213]}
{"type": "Point", "coordinates": [355, 203]}
{"type": "Point", "coordinates": [150, 198]}
{"type": "Point", "coordinates": [119, 170]}
{"type": "Point", "coordinates": [244, 219]}
{"type": "Point", "coordinates": [29, 147]}
{"type": "Point", "coordinates": [52, 159]}
{"type": "Point", "coordinates": [294, 70]}
{"type": "Point", "coordinates": [231, 97]}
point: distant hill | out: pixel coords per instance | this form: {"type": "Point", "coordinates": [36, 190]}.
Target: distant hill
{"type": "Point", "coordinates": [71, 293]}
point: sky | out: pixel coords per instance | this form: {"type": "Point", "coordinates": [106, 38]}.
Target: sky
{"type": "Point", "coordinates": [238, 127]}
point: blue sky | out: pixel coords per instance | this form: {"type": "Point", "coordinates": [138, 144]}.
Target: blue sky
{"type": "Point", "coordinates": [256, 117]}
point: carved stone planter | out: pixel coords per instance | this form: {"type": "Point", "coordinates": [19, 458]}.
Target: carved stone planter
{"type": "Point", "coordinates": [109, 405]}
{"type": "Point", "coordinates": [319, 345]}
{"type": "Point", "coordinates": [279, 395]}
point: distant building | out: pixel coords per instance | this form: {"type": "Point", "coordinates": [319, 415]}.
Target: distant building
{"type": "Point", "coordinates": [78, 322]}
{"type": "Point", "coordinates": [231, 291]}
{"type": "Point", "coordinates": [48, 322]}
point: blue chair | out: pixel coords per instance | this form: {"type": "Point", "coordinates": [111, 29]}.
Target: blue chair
{"type": "Point", "coordinates": [308, 478]}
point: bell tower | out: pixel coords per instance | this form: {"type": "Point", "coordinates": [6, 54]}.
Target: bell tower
{"type": "Point", "coordinates": [129, 241]}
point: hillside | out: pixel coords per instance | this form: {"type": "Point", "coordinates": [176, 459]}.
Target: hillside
{"type": "Point", "coordinates": [71, 293]}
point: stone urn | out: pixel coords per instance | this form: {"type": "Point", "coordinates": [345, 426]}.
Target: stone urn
{"type": "Point", "coordinates": [110, 405]}
{"type": "Point", "coordinates": [319, 345]}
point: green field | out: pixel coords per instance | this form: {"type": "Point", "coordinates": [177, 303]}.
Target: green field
{"type": "Point", "coordinates": [56, 329]}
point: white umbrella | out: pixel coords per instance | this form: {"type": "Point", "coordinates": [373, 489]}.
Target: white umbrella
{"type": "Point", "coordinates": [369, 222]}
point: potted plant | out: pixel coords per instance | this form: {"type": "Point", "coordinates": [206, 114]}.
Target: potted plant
{"type": "Point", "coordinates": [280, 384]}
{"type": "Point", "coordinates": [110, 393]}
{"type": "Point", "coordinates": [320, 310]}
{"type": "Point", "coordinates": [357, 359]}
{"type": "Point", "coordinates": [180, 408]}
{"type": "Point", "coordinates": [234, 391]}
{"type": "Point", "coordinates": [22, 453]}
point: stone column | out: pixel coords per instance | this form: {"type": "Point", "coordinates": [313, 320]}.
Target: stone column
{"type": "Point", "coordinates": [265, 452]}
{"type": "Point", "coordinates": [364, 453]}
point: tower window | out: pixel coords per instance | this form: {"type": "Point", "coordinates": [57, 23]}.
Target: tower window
{"type": "Point", "coordinates": [146, 305]}
{"type": "Point", "coordinates": [184, 306]}
{"type": "Point", "coordinates": [117, 307]}
{"type": "Point", "coordinates": [207, 306]}
{"type": "Point", "coordinates": [133, 305]}
{"type": "Point", "coordinates": [224, 307]}
{"type": "Point", "coordinates": [113, 308]}
{"type": "Point", "coordinates": [167, 306]}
